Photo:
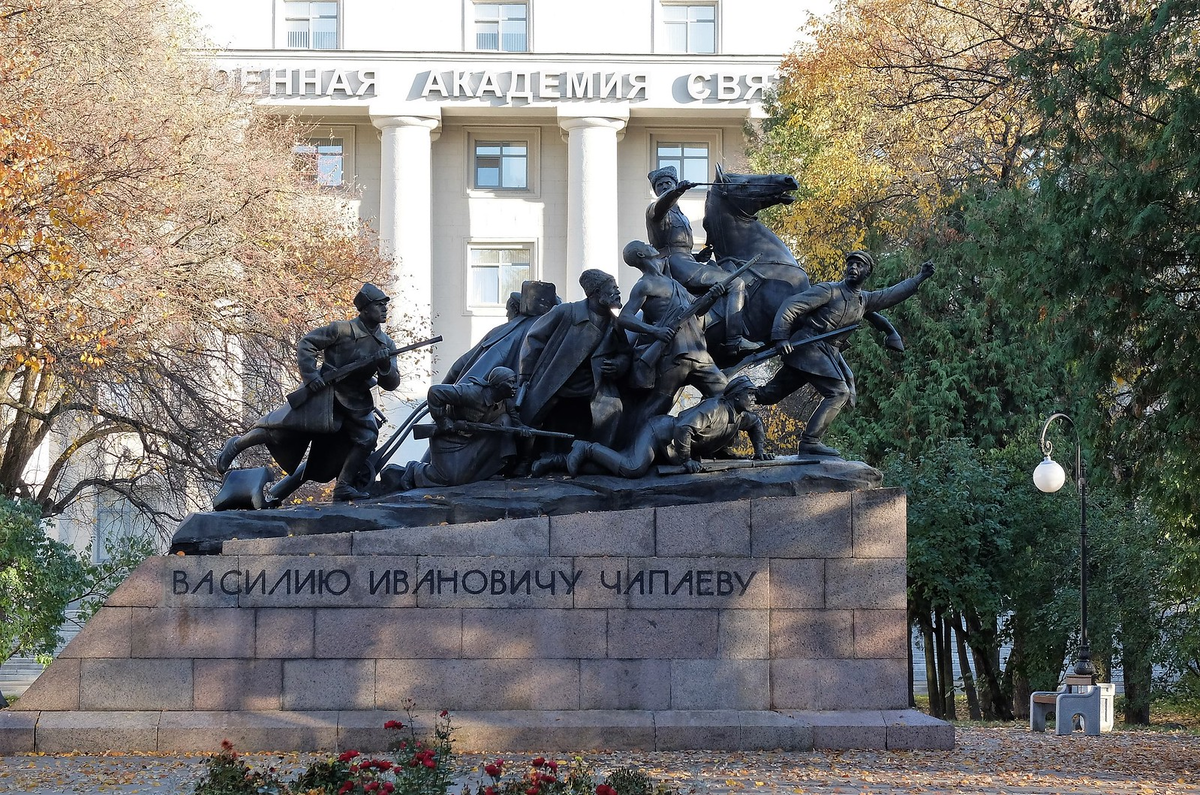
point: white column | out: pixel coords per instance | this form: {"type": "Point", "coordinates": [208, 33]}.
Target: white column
{"type": "Point", "coordinates": [405, 227]}
{"type": "Point", "coordinates": [591, 197]}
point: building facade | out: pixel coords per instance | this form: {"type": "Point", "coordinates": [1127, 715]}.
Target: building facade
{"type": "Point", "coordinates": [492, 142]}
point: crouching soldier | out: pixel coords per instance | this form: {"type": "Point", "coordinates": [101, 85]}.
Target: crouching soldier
{"type": "Point", "coordinates": [703, 430]}
{"type": "Point", "coordinates": [474, 425]}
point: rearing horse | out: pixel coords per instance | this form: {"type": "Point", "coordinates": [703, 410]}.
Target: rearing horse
{"type": "Point", "coordinates": [735, 233]}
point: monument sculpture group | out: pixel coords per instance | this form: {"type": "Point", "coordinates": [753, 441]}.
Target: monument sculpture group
{"type": "Point", "coordinates": [576, 387]}
{"type": "Point", "coordinates": [570, 565]}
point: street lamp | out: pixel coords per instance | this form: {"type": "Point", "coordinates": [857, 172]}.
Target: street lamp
{"type": "Point", "coordinates": [1049, 477]}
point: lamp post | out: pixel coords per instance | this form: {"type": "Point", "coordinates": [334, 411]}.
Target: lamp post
{"type": "Point", "coordinates": [1049, 477]}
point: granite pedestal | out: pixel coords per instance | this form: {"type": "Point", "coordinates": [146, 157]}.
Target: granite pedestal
{"type": "Point", "coordinates": [761, 623]}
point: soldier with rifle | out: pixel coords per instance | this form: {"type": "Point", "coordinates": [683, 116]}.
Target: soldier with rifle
{"type": "Point", "coordinates": [334, 411]}
{"type": "Point", "coordinates": [671, 351]}
{"type": "Point", "coordinates": [474, 422]}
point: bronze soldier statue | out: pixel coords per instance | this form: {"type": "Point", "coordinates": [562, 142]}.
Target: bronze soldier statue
{"type": "Point", "coordinates": [501, 347]}
{"type": "Point", "coordinates": [818, 310]}
{"type": "Point", "coordinates": [670, 232]}
{"type": "Point", "coordinates": [475, 421]}
{"type": "Point", "coordinates": [571, 358]}
{"type": "Point", "coordinates": [340, 421]}
{"type": "Point", "coordinates": [665, 359]}
{"type": "Point", "coordinates": [703, 430]}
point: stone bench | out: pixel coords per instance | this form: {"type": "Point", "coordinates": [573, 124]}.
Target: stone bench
{"type": "Point", "coordinates": [1079, 696]}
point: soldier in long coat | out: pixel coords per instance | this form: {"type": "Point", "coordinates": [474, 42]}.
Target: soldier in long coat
{"type": "Point", "coordinates": [339, 420]}
{"type": "Point", "coordinates": [819, 309]}
{"type": "Point", "coordinates": [576, 352]}
{"type": "Point", "coordinates": [501, 347]}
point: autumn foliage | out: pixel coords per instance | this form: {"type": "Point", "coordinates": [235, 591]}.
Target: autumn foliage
{"type": "Point", "coordinates": [160, 250]}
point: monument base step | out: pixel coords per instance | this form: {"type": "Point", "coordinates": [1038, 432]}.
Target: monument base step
{"type": "Point", "coordinates": [526, 730]}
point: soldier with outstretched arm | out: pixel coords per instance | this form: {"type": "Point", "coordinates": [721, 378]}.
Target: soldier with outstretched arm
{"type": "Point", "coordinates": [819, 310]}
{"type": "Point", "coordinates": [670, 231]}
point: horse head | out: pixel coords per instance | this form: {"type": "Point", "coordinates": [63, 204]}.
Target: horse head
{"type": "Point", "coordinates": [746, 194]}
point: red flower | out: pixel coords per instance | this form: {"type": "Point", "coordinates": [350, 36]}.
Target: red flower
{"type": "Point", "coordinates": [443, 713]}
{"type": "Point", "coordinates": [388, 787]}
{"type": "Point", "coordinates": [393, 724]}
{"type": "Point", "coordinates": [349, 785]}
{"type": "Point", "coordinates": [532, 790]}
{"type": "Point", "coordinates": [429, 762]}
{"type": "Point", "coordinates": [541, 760]}
{"type": "Point", "coordinates": [604, 789]}
{"type": "Point", "coordinates": [371, 787]}
{"type": "Point", "coordinates": [347, 756]}
{"type": "Point", "coordinates": [489, 791]}
{"type": "Point", "coordinates": [552, 765]}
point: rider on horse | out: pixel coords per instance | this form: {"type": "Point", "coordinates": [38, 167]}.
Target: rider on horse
{"type": "Point", "coordinates": [670, 231]}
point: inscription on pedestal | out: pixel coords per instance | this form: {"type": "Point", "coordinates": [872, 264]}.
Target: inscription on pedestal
{"type": "Point", "coordinates": [280, 585]}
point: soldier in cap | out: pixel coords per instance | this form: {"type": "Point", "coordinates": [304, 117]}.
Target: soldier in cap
{"type": "Point", "coordinates": [340, 421]}
{"type": "Point", "coordinates": [703, 430]}
{"type": "Point", "coordinates": [670, 231]}
{"type": "Point", "coordinates": [819, 309]}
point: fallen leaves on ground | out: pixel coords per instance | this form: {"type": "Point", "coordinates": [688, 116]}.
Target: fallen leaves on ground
{"type": "Point", "coordinates": [984, 760]}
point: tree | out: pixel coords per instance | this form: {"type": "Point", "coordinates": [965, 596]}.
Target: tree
{"type": "Point", "coordinates": [1119, 203]}
{"type": "Point", "coordinates": [161, 249]}
{"type": "Point", "coordinates": [993, 136]}
{"type": "Point", "coordinates": [38, 578]}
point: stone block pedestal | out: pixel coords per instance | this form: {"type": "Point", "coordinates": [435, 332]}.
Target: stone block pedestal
{"type": "Point", "coordinates": [775, 622]}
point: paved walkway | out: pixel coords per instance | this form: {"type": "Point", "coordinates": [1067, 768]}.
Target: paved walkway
{"type": "Point", "coordinates": [1002, 760]}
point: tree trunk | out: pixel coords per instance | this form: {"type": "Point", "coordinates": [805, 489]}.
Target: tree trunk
{"type": "Point", "coordinates": [1137, 692]}
{"type": "Point", "coordinates": [1020, 682]}
{"type": "Point", "coordinates": [964, 663]}
{"type": "Point", "coordinates": [931, 670]}
{"type": "Point", "coordinates": [984, 643]}
{"type": "Point", "coordinates": [946, 661]}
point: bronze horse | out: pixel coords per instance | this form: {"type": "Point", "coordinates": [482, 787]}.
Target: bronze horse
{"type": "Point", "coordinates": [736, 234]}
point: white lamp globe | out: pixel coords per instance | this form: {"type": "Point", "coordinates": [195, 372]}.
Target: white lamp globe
{"type": "Point", "coordinates": [1049, 476]}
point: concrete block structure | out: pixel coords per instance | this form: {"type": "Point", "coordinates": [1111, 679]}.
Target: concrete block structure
{"type": "Point", "coordinates": [616, 629]}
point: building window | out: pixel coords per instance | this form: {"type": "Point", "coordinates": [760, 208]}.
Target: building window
{"type": "Point", "coordinates": [502, 26]}
{"type": "Point", "coordinates": [689, 158]}
{"type": "Point", "coordinates": [502, 165]}
{"type": "Point", "coordinates": [501, 162]}
{"type": "Point", "coordinates": [311, 25]}
{"type": "Point", "coordinates": [328, 158]}
{"type": "Point", "coordinates": [324, 159]}
{"type": "Point", "coordinates": [497, 272]}
{"type": "Point", "coordinates": [690, 28]}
